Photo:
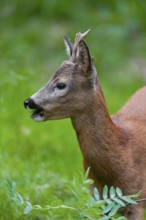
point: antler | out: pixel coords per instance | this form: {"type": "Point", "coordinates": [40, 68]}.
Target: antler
{"type": "Point", "coordinates": [79, 37]}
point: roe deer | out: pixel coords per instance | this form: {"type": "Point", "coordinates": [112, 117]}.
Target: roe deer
{"type": "Point", "coordinates": [113, 147]}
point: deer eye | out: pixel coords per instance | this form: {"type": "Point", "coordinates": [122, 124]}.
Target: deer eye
{"type": "Point", "coordinates": [61, 86]}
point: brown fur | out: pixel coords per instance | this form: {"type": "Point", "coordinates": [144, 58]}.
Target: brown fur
{"type": "Point", "coordinates": [113, 147]}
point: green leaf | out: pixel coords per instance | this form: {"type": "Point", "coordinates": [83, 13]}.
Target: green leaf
{"type": "Point", "coordinates": [87, 173]}
{"type": "Point", "coordinates": [74, 193]}
{"type": "Point", "coordinates": [104, 218]}
{"type": "Point", "coordinates": [27, 208]}
{"type": "Point", "coordinates": [105, 192]}
{"type": "Point", "coordinates": [88, 182]}
{"type": "Point", "coordinates": [128, 200]}
{"type": "Point", "coordinates": [96, 194]}
{"type": "Point", "coordinates": [112, 192]}
{"type": "Point", "coordinates": [108, 207]}
{"type": "Point", "coordinates": [47, 207]}
{"type": "Point", "coordinates": [119, 201]}
{"type": "Point", "coordinates": [13, 186]}
{"type": "Point", "coordinates": [136, 194]}
{"type": "Point", "coordinates": [92, 201]}
{"type": "Point", "coordinates": [99, 203]}
{"type": "Point", "coordinates": [37, 207]}
{"type": "Point", "coordinates": [19, 199]}
{"type": "Point", "coordinates": [109, 201]}
{"type": "Point", "coordinates": [114, 210]}
{"type": "Point", "coordinates": [119, 192]}
{"type": "Point", "coordinates": [85, 189]}
{"type": "Point", "coordinates": [87, 216]}
{"type": "Point", "coordinates": [121, 218]}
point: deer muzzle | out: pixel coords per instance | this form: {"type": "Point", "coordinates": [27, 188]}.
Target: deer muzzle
{"type": "Point", "coordinates": [38, 112]}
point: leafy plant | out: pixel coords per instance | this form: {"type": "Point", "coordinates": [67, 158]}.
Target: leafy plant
{"type": "Point", "coordinates": [84, 205]}
{"type": "Point", "coordinates": [95, 207]}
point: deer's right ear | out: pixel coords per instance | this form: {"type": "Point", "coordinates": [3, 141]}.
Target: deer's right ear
{"type": "Point", "coordinates": [83, 56]}
{"type": "Point", "coordinates": [69, 46]}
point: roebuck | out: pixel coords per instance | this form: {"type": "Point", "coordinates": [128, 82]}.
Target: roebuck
{"type": "Point", "coordinates": [113, 147]}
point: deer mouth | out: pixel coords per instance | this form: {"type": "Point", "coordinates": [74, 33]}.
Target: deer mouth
{"type": "Point", "coordinates": [37, 114]}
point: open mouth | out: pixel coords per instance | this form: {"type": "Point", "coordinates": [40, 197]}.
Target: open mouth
{"type": "Point", "coordinates": [39, 112]}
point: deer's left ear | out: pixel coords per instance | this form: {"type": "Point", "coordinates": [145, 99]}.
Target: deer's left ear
{"type": "Point", "coordinates": [82, 56]}
{"type": "Point", "coordinates": [69, 46]}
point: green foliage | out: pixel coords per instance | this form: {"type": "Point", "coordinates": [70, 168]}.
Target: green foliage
{"type": "Point", "coordinates": [42, 158]}
{"type": "Point", "coordinates": [84, 205]}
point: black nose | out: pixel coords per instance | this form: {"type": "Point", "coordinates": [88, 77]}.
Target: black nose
{"type": "Point", "coordinates": [29, 103]}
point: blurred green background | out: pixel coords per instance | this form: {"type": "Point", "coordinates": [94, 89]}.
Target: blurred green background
{"type": "Point", "coordinates": [43, 157]}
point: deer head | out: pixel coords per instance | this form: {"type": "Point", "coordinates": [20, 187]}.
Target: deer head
{"type": "Point", "coordinates": [69, 90]}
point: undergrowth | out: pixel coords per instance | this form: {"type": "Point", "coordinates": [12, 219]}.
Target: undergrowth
{"type": "Point", "coordinates": [84, 206]}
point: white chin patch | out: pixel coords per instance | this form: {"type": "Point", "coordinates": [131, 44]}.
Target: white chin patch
{"type": "Point", "coordinates": [38, 117]}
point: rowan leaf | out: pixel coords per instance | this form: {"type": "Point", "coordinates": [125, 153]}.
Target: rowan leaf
{"type": "Point", "coordinates": [119, 201]}
{"type": "Point", "coordinates": [96, 194]}
{"type": "Point", "coordinates": [27, 208]}
{"type": "Point", "coordinates": [105, 192]}
{"type": "Point", "coordinates": [108, 207]}
{"type": "Point", "coordinates": [119, 192]}
{"type": "Point", "coordinates": [112, 192]}
{"type": "Point", "coordinates": [128, 200]}
{"type": "Point", "coordinates": [114, 210]}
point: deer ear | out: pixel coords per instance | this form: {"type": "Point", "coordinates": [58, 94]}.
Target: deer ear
{"type": "Point", "coordinates": [83, 56]}
{"type": "Point", "coordinates": [68, 45]}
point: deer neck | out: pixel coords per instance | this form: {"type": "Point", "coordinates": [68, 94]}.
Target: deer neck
{"type": "Point", "coordinates": [97, 135]}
